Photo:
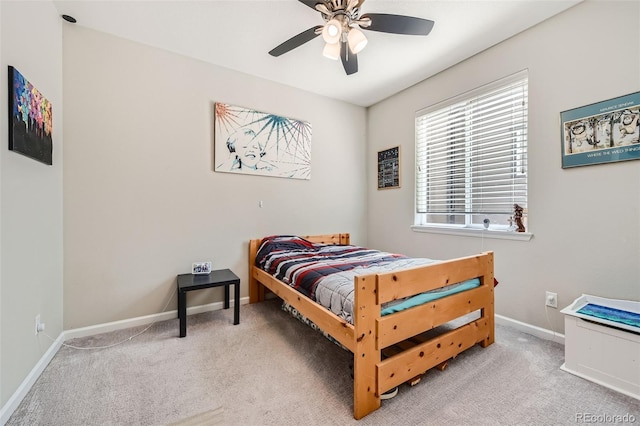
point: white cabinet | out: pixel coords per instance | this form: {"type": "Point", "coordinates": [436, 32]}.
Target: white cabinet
{"type": "Point", "coordinates": [603, 351]}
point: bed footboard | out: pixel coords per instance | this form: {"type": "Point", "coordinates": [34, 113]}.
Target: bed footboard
{"type": "Point", "coordinates": [401, 335]}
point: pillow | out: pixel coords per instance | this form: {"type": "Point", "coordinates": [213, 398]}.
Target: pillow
{"type": "Point", "coordinates": [279, 243]}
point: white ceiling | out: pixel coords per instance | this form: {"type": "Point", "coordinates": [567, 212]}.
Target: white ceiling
{"type": "Point", "coordinates": [238, 34]}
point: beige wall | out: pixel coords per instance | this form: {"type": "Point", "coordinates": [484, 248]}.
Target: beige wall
{"type": "Point", "coordinates": [586, 221]}
{"type": "Point", "coordinates": [141, 201]}
{"type": "Point", "coordinates": [31, 199]}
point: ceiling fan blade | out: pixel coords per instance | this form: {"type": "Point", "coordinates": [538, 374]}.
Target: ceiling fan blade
{"type": "Point", "coordinates": [296, 41]}
{"type": "Point", "coordinates": [310, 3]}
{"type": "Point", "coordinates": [349, 59]}
{"type": "Point", "coordinates": [398, 24]}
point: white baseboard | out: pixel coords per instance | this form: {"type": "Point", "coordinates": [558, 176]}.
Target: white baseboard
{"type": "Point", "coordinates": [12, 404]}
{"type": "Point", "coordinates": [144, 320]}
{"type": "Point", "coordinates": [530, 329]}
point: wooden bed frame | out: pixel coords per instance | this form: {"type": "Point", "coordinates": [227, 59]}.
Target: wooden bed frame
{"type": "Point", "coordinates": [400, 335]}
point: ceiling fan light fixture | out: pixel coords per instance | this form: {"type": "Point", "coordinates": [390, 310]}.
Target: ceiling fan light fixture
{"type": "Point", "coordinates": [332, 31]}
{"type": "Point", "coordinates": [357, 40]}
{"type": "Point", "coordinates": [331, 51]}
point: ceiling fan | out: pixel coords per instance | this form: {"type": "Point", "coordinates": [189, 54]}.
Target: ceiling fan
{"type": "Point", "coordinates": [341, 31]}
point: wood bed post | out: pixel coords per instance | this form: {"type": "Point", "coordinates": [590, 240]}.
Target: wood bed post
{"type": "Point", "coordinates": [256, 290]}
{"type": "Point", "coordinates": [365, 356]}
{"type": "Point", "coordinates": [488, 311]}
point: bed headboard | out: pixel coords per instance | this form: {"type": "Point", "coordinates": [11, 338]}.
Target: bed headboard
{"type": "Point", "coordinates": [328, 238]}
{"type": "Point", "coordinates": [256, 292]}
{"type": "Point", "coordinates": [320, 239]}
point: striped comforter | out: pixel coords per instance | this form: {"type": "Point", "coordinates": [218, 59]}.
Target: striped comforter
{"type": "Point", "coordinates": [325, 273]}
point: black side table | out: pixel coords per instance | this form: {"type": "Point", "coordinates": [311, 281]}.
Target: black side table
{"type": "Point", "coordinates": [221, 277]}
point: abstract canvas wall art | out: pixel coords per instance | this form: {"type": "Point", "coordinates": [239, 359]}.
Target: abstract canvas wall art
{"type": "Point", "coordinates": [253, 142]}
{"type": "Point", "coordinates": [30, 119]}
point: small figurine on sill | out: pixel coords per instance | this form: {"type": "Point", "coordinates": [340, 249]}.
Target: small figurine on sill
{"type": "Point", "coordinates": [517, 215]}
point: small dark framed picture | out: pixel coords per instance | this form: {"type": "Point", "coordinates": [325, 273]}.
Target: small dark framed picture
{"type": "Point", "coordinates": [389, 168]}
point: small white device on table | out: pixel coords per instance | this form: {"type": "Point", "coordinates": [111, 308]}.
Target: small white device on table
{"type": "Point", "coordinates": [201, 268]}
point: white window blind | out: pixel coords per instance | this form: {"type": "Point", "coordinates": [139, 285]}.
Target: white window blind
{"type": "Point", "coordinates": [471, 155]}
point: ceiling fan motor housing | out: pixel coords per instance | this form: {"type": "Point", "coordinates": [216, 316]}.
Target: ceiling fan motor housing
{"type": "Point", "coordinates": [346, 12]}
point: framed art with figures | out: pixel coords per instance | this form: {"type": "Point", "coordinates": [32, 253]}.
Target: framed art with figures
{"type": "Point", "coordinates": [603, 132]}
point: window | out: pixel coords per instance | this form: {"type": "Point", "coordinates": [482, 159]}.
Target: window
{"type": "Point", "coordinates": [471, 157]}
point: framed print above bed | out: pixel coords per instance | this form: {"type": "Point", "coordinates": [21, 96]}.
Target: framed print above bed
{"type": "Point", "coordinates": [30, 119]}
{"type": "Point", "coordinates": [604, 132]}
{"type": "Point", "coordinates": [258, 143]}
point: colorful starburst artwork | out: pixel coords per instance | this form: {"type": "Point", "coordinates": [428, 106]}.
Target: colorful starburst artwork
{"type": "Point", "coordinates": [254, 142]}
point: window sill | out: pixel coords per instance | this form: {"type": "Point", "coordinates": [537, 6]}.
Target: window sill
{"type": "Point", "coordinates": [474, 232]}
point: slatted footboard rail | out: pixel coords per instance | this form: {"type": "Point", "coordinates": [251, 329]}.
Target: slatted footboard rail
{"type": "Point", "coordinates": [396, 285]}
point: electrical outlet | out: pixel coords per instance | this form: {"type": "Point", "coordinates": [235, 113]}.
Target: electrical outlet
{"type": "Point", "coordinates": [551, 299]}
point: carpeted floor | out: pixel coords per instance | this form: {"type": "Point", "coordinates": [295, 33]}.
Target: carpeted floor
{"type": "Point", "coordinates": [208, 418]}
{"type": "Point", "coordinates": [271, 369]}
